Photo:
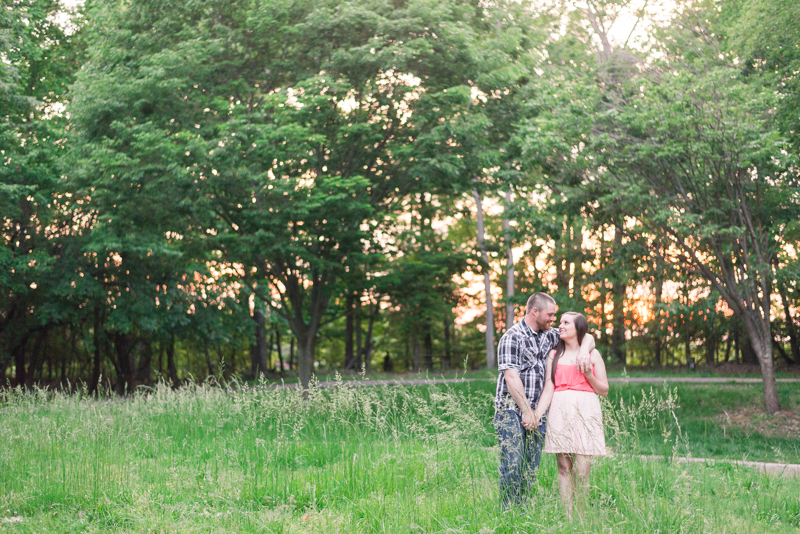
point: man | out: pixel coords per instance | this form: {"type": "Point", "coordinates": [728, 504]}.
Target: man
{"type": "Point", "coordinates": [522, 360]}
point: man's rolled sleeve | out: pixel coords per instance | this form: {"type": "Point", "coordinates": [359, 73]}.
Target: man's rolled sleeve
{"type": "Point", "coordinates": [508, 354]}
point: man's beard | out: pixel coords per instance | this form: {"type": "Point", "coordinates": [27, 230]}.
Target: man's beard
{"type": "Point", "coordinates": [545, 326]}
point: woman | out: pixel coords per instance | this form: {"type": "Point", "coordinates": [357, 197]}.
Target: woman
{"type": "Point", "coordinates": [575, 422]}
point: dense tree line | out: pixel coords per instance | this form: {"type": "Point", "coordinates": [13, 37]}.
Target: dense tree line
{"type": "Point", "coordinates": [256, 187]}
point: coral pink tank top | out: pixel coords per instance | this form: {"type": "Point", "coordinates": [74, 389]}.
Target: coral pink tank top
{"type": "Point", "coordinates": [568, 377]}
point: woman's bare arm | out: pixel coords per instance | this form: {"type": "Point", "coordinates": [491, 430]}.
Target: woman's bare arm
{"type": "Point", "coordinates": [547, 392]}
{"type": "Point", "coordinates": [584, 358]}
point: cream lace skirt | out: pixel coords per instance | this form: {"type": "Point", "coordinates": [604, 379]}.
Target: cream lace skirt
{"type": "Point", "coordinates": [575, 424]}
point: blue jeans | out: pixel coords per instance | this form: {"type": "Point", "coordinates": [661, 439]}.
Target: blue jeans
{"type": "Point", "coordinates": [520, 451]}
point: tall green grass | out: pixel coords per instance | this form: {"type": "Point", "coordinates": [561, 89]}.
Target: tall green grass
{"type": "Point", "coordinates": [388, 459]}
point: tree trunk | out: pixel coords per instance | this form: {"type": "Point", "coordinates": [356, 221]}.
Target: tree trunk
{"type": "Point", "coordinates": [162, 354]}
{"type": "Point", "coordinates": [711, 347]}
{"type": "Point", "coordinates": [446, 325]}
{"type": "Point", "coordinates": [618, 295]}
{"type": "Point", "coordinates": [428, 347]}
{"type": "Point", "coordinates": [270, 344]}
{"type": "Point", "coordinates": [368, 342]}
{"type": "Point", "coordinates": [658, 347]}
{"type": "Point", "coordinates": [291, 354]}
{"type": "Point", "coordinates": [63, 373]}
{"type": "Point", "coordinates": [209, 363]}
{"type": "Point", "coordinates": [223, 372]}
{"type": "Point", "coordinates": [94, 381]}
{"type": "Point", "coordinates": [36, 361]}
{"type": "Point", "coordinates": [305, 357]}
{"type": "Point", "coordinates": [728, 345]}
{"type": "Point", "coordinates": [122, 363]}
{"type": "Point", "coordinates": [144, 369]}
{"type": "Point", "coordinates": [254, 357]}
{"type": "Point", "coordinates": [578, 276]}
{"type": "Point", "coordinates": [487, 284]}
{"type": "Point", "coordinates": [791, 328]}
{"type": "Point", "coordinates": [417, 354]}
{"type": "Point", "coordinates": [278, 347]}
{"type": "Point", "coordinates": [19, 361]}
{"type": "Point", "coordinates": [349, 355]}
{"type": "Point", "coordinates": [172, 369]}
{"type": "Point", "coordinates": [260, 355]}
{"type": "Point", "coordinates": [748, 354]}
{"type": "Point", "coordinates": [659, 291]}
{"type": "Point", "coordinates": [368, 353]}
{"type": "Point", "coordinates": [124, 366]}
{"type": "Point", "coordinates": [509, 267]}
{"type": "Point", "coordinates": [761, 341]}
{"type": "Point", "coordinates": [688, 344]}
{"type": "Point", "coordinates": [359, 346]}
{"type": "Point", "coordinates": [561, 258]}
{"type": "Point", "coordinates": [601, 333]}
{"type": "Point", "coordinates": [305, 326]}
{"type": "Point", "coordinates": [353, 361]}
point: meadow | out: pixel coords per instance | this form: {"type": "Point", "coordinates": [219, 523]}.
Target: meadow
{"type": "Point", "coordinates": [394, 459]}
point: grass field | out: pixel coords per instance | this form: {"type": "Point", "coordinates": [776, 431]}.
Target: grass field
{"type": "Point", "coordinates": [386, 459]}
{"type": "Point", "coordinates": [614, 370]}
{"type": "Point", "coordinates": [728, 370]}
{"type": "Point", "coordinates": [716, 420]}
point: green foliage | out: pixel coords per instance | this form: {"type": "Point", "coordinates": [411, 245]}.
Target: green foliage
{"type": "Point", "coordinates": [36, 232]}
{"type": "Point", "coordinates": [297, 154]}
{"type": "Point", "coordinates": [682, 153]}
{"type": "Point", "coordinates": [285, 161]}
{"type": "Point", "coordinates": [767, 37]}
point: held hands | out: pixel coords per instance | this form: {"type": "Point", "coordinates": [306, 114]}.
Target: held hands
{"type": "Point", "coordinates": [529, 420]}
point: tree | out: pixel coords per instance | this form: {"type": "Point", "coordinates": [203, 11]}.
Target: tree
{"type": "Point", "coordinates": [282, 156]}
{"type": "Point", "coordinates": [40, 57]}
{"type": "Point", "coordinates": [689, 154]}
{"type": "Point", "coordinates": [420, 283]}
{"type": "Point", "coordinates": [705, 151]}
{"type": "Point", "coordinates": [581, 81]}
{"type": "Point", "coordinates": [487, 281]}
{"type": "Point", "coordinates": [766, 36]}
{"type": "Point", "coordinates": [509, 261]}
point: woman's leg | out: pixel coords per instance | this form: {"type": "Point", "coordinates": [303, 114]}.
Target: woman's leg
{"type": "Point", "coordinates": [582, 465]}
{"type": "Point", "coordinates": [565, 476]}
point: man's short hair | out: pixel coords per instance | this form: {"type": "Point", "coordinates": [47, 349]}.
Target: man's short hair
{"type": "Point", "coordinates": [539, 301]}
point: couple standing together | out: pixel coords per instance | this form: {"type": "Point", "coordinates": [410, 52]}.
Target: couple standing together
{"type": "Point", "coordinates": [540, 368]}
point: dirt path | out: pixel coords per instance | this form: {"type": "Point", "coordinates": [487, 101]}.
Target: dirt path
{"type": "Point", "coordinates": [769, 468]}
{"type": "Point", "coordinates": [697, 380]}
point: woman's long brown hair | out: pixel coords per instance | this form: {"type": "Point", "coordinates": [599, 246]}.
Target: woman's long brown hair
{"type": "Point", "coordinates": [581, 327]}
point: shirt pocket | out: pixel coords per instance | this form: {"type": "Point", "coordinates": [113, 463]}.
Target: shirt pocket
{"type": "Point", "coordinates": [529, 357]}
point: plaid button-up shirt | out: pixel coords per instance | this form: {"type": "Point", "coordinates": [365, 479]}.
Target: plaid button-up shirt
{"type": "Point", "coordinates": [526, 351]}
